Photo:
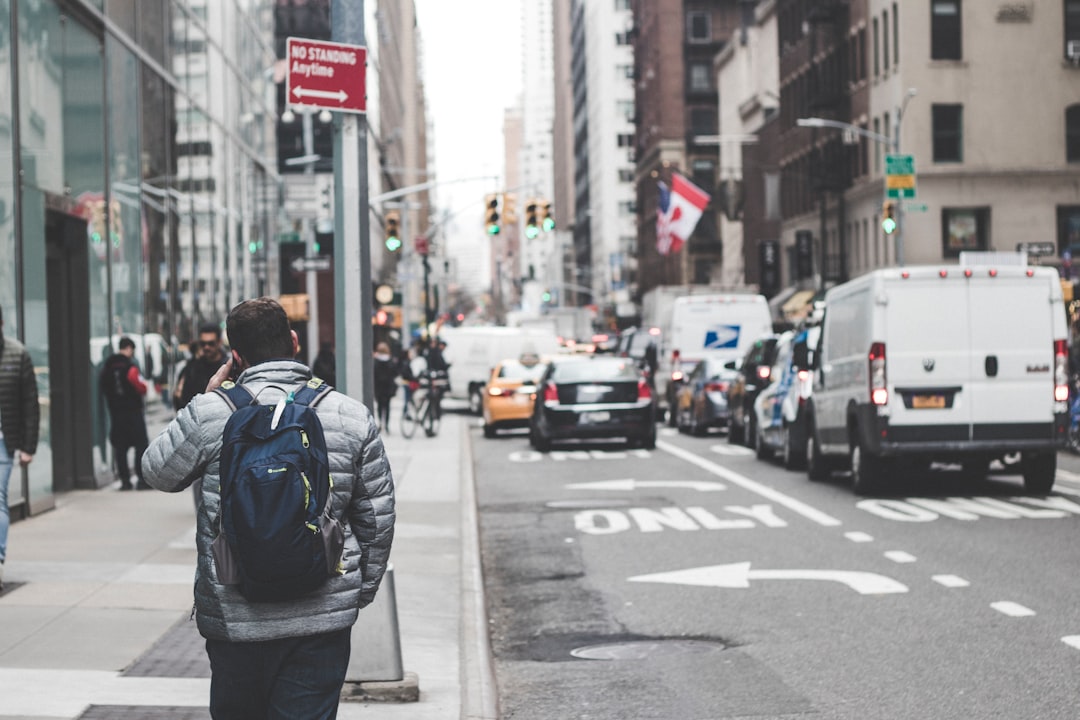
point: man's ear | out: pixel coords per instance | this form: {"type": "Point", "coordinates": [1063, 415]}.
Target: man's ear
{"type": "Point", "coordinates": [238, 362]}
{"type": "Point", "coordinates": [295, 343]}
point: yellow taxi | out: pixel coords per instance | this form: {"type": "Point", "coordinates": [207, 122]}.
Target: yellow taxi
{"type": "Point", "coordinates": [510, 393]}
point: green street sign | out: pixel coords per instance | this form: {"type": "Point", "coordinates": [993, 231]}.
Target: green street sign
{"type": "Point", "coordinates": [916, 207]}
{"type": "Point", "coordinates": [899, 164]}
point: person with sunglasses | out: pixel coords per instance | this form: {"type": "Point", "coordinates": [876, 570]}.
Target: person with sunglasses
{"type": "Point", "coordinates": [209, 356]}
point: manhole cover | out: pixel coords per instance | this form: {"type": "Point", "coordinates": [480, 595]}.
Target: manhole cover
{"type": "Point", "coordinates": [642, 649]}
{"type": "Point", "coordinates": [586, 504]}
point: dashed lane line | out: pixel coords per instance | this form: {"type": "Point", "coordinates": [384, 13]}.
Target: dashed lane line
{"type": "Point", "coordinates": [1072, 641]}
{"type": "Point", "coordinates": [899, 556]}
{"type": "Point", "coordinates": [1012, 609]}
{"type": "Point", "coordinates": [950, 581]}
{"type": "Point", "coordinates": [859, 537]}
{"type": "Point", "coordinates": [796, 506]}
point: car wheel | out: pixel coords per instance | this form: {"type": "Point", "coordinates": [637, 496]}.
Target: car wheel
{"type": "Point", "coordinates": [1038, 471]}
{"type": "Point", "coordinates": [735, 432]}
{"type": "Point", "coordinates": [761, 450]}
{"type": "Point", "coordinates": [489, 431]}
{"type": "Point", "coordinates": [816, 467]}
{"type": "Point", "coordinates": [749, 432]}
{"type": "Point", "coordinates": [672, 420]}
{"type": "Point", "coordinates": [869, 472]}
{"type": "Point", "coordinates": [476, 401]}
{"type": "Point", "coordinates": [698, 428]}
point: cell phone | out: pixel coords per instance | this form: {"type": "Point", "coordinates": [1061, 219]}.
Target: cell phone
{"type": "Point", "coordinates": [234, 371]}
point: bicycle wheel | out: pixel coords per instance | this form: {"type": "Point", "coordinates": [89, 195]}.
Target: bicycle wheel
{"type": "Point", "coordinates": [431, 419]}
{"type": "Point", "coordinates": [412, 417]}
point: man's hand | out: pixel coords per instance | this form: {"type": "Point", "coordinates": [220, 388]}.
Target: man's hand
{"type": "Point", "coordinates": [220, 376]}
{"type": "Point", "coordinates": [25, 458]}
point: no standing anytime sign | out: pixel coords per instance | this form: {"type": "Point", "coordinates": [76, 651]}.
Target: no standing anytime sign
{"type": "Point", "coordinates": [327, 75]}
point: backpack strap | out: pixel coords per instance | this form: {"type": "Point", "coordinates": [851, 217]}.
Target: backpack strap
{"type": "Point", "coordinates": [235, 396]}
{"type": "Point", "coordinates": [313, 391]}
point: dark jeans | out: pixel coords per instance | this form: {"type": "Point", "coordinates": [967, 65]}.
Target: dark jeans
{"type": "Point", "coordinates": [278, 679]}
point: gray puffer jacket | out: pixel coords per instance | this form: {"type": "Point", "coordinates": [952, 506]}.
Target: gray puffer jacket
{"type": "Point", "coordinates": [190, 448]}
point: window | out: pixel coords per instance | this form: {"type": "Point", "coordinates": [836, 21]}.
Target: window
{"type": "Point", "coordinates": [1072, 133]}
{"type": "Point", "coordinates": [885, 39]}
{"type": "Point", "coordinates": [945, 35]}
{"type": "Point", "coordinates": [877, 59]}
{"type": "Point", "coordinates": [1072, 27]}
{"type": "Point", "coordinates": [625, 109]}
{"type": "Point", "coordinates": [895, 34]}
{"type": "Point", "coordinates": [703, 173]}
{"type": "Point", "coordinates": [622, 4]}
{"type": "Point", "coordinates": [700, 77]}
{"type": "Point", "coordinates": [626, 175]}
{"type": "Point", "coordinates": [702, 121]}
{"type": "Point", "coordinates": [627, 207]}
{"type": "Point", "coordinates": [622, 38]}
{"type": "Point", "coordinates": [1068, 217]}
{"type": "Point", "coordinates": [626, 140]}
{"type": "Point", "coordinates": [964, 229]}
{"type": "Point", "coordinates": [698, 28]}
{"type": "Point", "coordinates": [625, 71]}
{"type": "Point", "coordinates": [948, 132]}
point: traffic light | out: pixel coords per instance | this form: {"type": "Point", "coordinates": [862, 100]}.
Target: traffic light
{"type": "Point", "coordinates": [509, 209]}
{"type": "Point", "coordinates": [532, 219]}
{"type": "Point", "coordinates": [888, 217]}
{"type": "Point", "coordinates": [390, 224]}
{"type": "Point", "coordinates": [547, 222]}
{"type": "Point", "coordinates": [491, 214]}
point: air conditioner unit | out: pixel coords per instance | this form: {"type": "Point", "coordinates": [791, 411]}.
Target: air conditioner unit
{"type": "Point", "coordinates": [1072, 50]}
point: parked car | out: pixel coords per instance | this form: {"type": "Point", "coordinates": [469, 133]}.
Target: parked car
{"type": "Point", "coordinates": [593, 396]}
{"type": "Point", "coordinates": [754, 373]}
{"type": "Point", "coordinates": [701, 402]}
{"type": "Point", "coordinates": [509, 394]}
{"type": "Point", "coordinates": [941, 364]}
{"type": "Point", "coordinates": [780, 408]}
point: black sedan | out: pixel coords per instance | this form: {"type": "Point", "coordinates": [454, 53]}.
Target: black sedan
{"type": "Point", "coordinates": [587, 397]}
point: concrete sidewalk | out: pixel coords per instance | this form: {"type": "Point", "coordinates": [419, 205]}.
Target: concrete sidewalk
{"type": "Point", "coordinates": [94, 621]}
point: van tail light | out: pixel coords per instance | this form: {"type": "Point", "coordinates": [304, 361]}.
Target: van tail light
{"type": "Point", "coordinates": [719, 387]}
{"type": "Point", "coordinates": [551, 394]}
{"type": "Point", "coordinates": [1061, 371]}
{"type": "Point", "coordinates": [764, 371]}
{"type": "Point", "coordinates": [677, 376]}
{"type": "Point", "coordinates": [643, 391]}
{"type": "Point", "coordinates": [879, 389]}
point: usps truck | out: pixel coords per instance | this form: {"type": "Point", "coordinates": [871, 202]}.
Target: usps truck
{"type": "Point", "coordinates": [958, 365]}
{"type": "Point", "coordinates": [722, 325]}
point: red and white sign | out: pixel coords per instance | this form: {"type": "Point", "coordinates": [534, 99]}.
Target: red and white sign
{"type": "Point", "coordinates": [327, 75]}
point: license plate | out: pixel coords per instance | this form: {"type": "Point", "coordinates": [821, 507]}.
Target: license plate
{"type": "Point", "coordinates": [595, 417]}
{"type": "Point", "coordinates": [924, 402]}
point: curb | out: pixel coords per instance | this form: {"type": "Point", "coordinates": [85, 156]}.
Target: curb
{"type": "Point", "coordinates": [406, 690]}
{"type": "Point", "coordinates": [479, 699]}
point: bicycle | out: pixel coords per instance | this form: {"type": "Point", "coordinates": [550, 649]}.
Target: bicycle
{"type": "Point", "coordinates": [425, 405]}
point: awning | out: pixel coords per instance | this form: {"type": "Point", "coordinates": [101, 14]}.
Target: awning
{"type": "Point", "coordinates": [796, 305]}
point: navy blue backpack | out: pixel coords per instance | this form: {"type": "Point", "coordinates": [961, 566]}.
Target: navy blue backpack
{"type": "Point", "coordinates": [277, 538]}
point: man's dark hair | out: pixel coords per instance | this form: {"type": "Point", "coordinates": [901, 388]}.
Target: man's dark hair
{"type": "Point", "coordinates": [259, 331]}
{"type": "Point", "coordinates": [125, 343]}
{"type": "Point", "coordinates": [206, 328]}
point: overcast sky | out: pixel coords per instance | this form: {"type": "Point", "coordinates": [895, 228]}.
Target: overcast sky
{"type": "Point", "coordinates": [472, 73]}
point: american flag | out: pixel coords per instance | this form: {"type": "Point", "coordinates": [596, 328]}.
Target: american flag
{"type": "Point", "coordinates": [678, 210]}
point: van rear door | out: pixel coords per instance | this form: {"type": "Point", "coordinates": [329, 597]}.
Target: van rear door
{"type": "Point", "coordinates": [928, 351]}
{"type": "Point", "coordinates": [1012, 356]}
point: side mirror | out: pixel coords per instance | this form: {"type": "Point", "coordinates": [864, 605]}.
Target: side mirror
{"type": "Point", "coordinates": [800, 356]}
{"type": "Point", "coordinates": [730, 365]}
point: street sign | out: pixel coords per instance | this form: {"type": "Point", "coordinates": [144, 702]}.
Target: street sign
{"type": "Point", "coordinates": [1037, 248]}
{"type": "Point", "coordinates": [915, 207]}
{"type": "Point", "coordinates": [421, 245]}
{"type": "Point", "coordinates": [315, 263]}
{"type": "Point", "coordinates": [327, 75]}
{"type": "Point", "coordinates": [900, 176]}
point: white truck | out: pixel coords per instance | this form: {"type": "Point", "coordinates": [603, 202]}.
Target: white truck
{"type": "Point", "coordinates": [721, 325]}
{"type": "Point", "coordinates": [473, 351]}
{"type": "Point", "coordinates": [941, 364]}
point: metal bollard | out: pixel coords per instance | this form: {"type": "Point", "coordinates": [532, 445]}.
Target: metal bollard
{"type": "Point", "coordinates": [376, 642]}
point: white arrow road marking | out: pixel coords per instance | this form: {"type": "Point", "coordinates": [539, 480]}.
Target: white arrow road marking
{"type": "Point", "coordinates": [339, 95]}
{"type": "Point", "coordinates": [739, 575]}
{"type": "Point", "coordinates": [1012, 609]}
{"type": "Point", "coordinates": [1072, 641]}
{"type": "Point", "coordinates": [796, 506]}
{"type": "Point", "coordinates": [950, 581]}
{"type": "Point", "coordinates": [630, 484]}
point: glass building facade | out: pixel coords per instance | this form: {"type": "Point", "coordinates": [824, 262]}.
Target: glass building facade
{"type": "Point", "coordinates": [139, 196]}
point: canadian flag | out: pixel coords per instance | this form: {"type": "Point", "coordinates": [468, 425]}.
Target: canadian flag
{"type": "Point", "coordinates": [677, 213]}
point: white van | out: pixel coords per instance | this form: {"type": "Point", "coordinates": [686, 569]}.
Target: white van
{"type": "Point", "coordinates": [474, 350]}
{"type": "Point", "coordinates": [946, 364]}
{"type": "Point", "coordinates": [722, 325]}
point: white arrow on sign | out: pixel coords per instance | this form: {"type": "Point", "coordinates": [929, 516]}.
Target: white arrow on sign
{"type": "Point", "coordinates": [317, 263]}
{"type": "Point", "coordinates": [739, 575]}
{"type": "Point", "coordinates": [629, 484]}
{"type": "Point", "coordinates": [339, 95]}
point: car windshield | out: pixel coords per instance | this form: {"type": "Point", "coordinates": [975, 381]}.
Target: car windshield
{"type": "Point", "coordinates": [513, 370]}
{"type": "Point", "coordinates": [606, 369]}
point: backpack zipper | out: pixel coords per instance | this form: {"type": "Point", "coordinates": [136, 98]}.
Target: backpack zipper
{"type": "Point", "coordinates": [307, 501]}
{"type": "Point", "coordinates": [304, 439]}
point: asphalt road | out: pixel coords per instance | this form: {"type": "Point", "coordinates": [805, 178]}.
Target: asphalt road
{"type": "Point", "coordinates": [695, 582]}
